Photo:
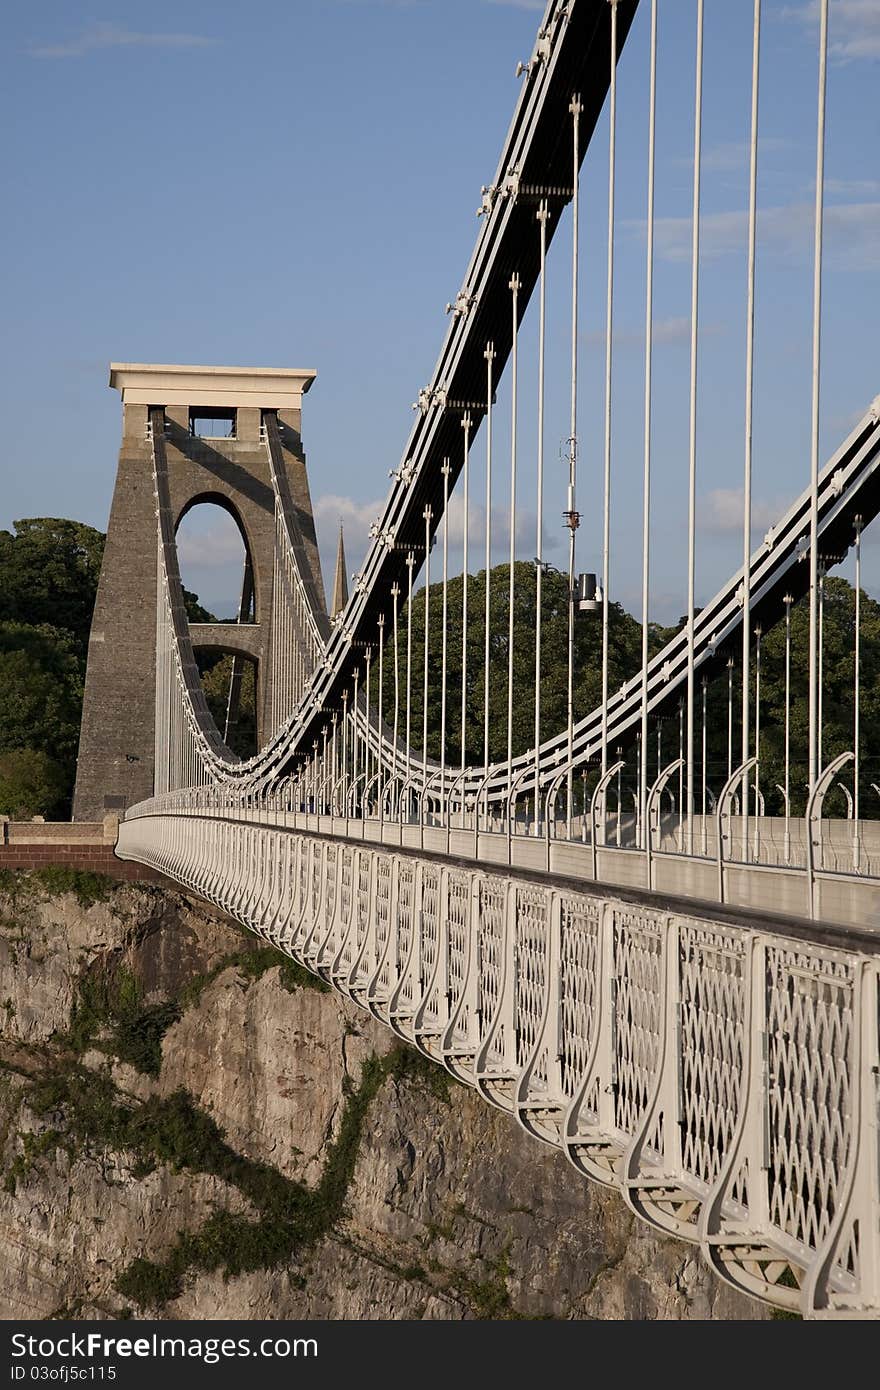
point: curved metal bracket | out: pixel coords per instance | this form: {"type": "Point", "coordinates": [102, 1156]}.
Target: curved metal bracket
{"type": "Point", "coordinates": [321, 798]}
{"type": "Point", "coordinates": [393, 779]}
{"type": "Point", "coordinates": [351, 791]}
{"type": "Point", "coordinates": [407, 783]}
{"type": "Point", "coordinates": [600, 789]}
{"type": "Point", "coordinates": [462, 774]}
{"type": "Point", "coordinates": [375, 777]}
{"type": "Point", "coordinates": [813, 818]}
{"type": "Point", "coordinates": [424, 796]}
{"type": "Point", "coordinates": [653, 799]}
{"type": "Point", "coordinates": [721, 811]}
{"type": "Point", "coordinates": [511, 801]}
{"type": "Point", "coordinates": [550, 805]}
{"type": "Point", "coordinates": [490, 772]}
{"type": "Point", "coordinates": [336, 785]}
{"type": "Point", "coordinates": [550, 799]}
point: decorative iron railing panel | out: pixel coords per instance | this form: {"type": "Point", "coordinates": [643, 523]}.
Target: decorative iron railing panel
{"type": "Point", "coordinates": [724, 1079]}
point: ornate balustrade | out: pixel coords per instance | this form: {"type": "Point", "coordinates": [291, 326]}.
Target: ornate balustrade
{"type": "Point", "coordinates": [722, 1076]}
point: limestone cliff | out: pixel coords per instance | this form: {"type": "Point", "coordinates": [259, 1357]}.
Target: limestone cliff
{"type": "Point", "coordinates": [189, 1127]}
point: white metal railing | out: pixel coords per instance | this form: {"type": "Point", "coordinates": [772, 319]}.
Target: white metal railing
{"type": "Point", "coordinates": [722, 1077]}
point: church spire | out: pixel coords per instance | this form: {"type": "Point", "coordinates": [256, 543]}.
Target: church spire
{"type": "Point", "coordinates": [340, 581]}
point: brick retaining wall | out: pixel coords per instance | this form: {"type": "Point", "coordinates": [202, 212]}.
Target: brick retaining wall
{"type": "Point", "coordinates": [66, 845]}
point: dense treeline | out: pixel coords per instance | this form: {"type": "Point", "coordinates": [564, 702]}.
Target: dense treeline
{"type": "Point", "coordinates": [624, 662]}
{"type": "Point", "coordinates": [49, 571]}
{"type": "Point", "coordinates": [48, 579]}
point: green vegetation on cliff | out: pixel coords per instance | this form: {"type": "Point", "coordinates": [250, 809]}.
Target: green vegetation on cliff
{"type": "Point", "coordinates": [290, 1217]}
{"type": "Point", "coordinates": [85, 1113]}
{"type": "Point", "coordinates": [48, 579]}
{"type": "Point", "coordinates": [49, 570]}
{"type": "Point", "coordinates": [398, 1203]}
{"type": "Point", "coordinates": [71, 1103]}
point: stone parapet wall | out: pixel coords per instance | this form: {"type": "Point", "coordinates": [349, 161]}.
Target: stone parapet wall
{"type": "Point", "coordinates": [31, 832]}
{"type": "Point", "coordinates": [69, 845]}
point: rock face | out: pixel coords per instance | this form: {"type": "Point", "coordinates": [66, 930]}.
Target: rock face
{"type": "Point", "coordinates": [190, 1129]}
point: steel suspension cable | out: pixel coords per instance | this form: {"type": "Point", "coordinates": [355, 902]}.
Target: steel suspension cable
{"type": "Point", "coordinates": [490, 358]}
{"type": "Point", "coordinates": [729, 717]}
{"type": "Point", "coordinates": [445, 471]}
{"type": "Point", "coordinates": [428, 515]}
{"type": "Point", "coordinates": [787, 778]}
{"type": "Point", "coordinates": [381, 738]}
{"type": "Point", "coordinates": [354, 730]}
{"type": "Point", "coordinates": [757, 837]}
{"type": "Point", "coordinates": [704, 785]}
{"type": "Point", "coordinates": [466, 426]}
{"type": "Point", "coordinates": [395, 598]}
{"type": "Point", "coordinates": [345, 751]}
{"type": "Point", "coordinates": [692, 452]}
{"type": "Point", "coordinates": [609, 327]}
{"type": "Point", "coordinates": [539, 556]}
{"type": "Point", "coordinates": [514, 289]}
{"type": "Point", "coordinates": [821, 664]}
{"type": "Point", "coordinates": [572, 516]}
{"type": "Point", "coordinates": [814, 729]}
{"type": "Point", "coordinates": [649, 362]}
{"type": "Point", "coordinates": [749, 415]}
{"type": "Point", "coordinates": [410, 563]}
{"type": "Point", "coordinates": [857, 696]}
{"type": "Point", "coordinates": [367, 693]}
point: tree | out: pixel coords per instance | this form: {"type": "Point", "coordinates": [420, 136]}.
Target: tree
{"type": "Point", "coordinates": [624, 660]}
{"type": "Point", "coordinates": [624, 634]}
{"type": "Point", "coordinates": [838, 699]}
{"type": "Point", "coordinates": [215, 683]}
{"type": "Point", "coordinates": [49, 570]}
{"type": "Point", "coordinates": [41, 680]}
{"type": "Point", "coordinates": [838, 673]}
{"type": "Point", "coordinates": [31, 784]}
{"type": "Point", "coordinates": [195, 613]}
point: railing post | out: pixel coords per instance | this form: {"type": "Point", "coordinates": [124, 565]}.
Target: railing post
{"type": "Point", "coordinates": [742, 1182]}
{"type": "Point", "coordinates": [665, 1103]}
{"type": "Point", "coordinates": [599, 795]}
{"type": "Point", "coordinates": [503, 1020]}
{"type": "Point", "coordinates": [813, 825]}
{"type": "Point", "coordinates": [852, 1245]}
{"type": "Point", "coordinates": [721, 811]}
{"type": "Point", "coordinates": [653, 801]}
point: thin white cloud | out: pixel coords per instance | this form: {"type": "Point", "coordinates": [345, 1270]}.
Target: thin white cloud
{"type": "Point", "coordinates": [358, 517]}
{"type": "Point", "coordinates": [721, 512]}
{"type": "Point", "coordinates": [536, 6]}
{"type": "Point", "coordinates": [212, 549]}
{"type": "Point", "coordinates": [853, 188]}
{"type": "Point", "coordinates": [852, 232]}
{"type": "Point", "coordinates": [854, 31]}
{"type": "Point", "coordinates": [732, 156]}
{"type": "Point", "coordinates": [210, 552]}
{"type": "Point", "coordinates": [666, 330]}
{"type": "Point", "coordinates": [103, 36]}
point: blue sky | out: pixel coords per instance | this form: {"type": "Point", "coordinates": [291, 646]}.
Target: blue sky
{"type": "Point", "coordinates": [295, 184]}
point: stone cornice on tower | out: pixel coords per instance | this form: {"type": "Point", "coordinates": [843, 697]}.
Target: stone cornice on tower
{"type": "Point", "coordinates": [267, 388]}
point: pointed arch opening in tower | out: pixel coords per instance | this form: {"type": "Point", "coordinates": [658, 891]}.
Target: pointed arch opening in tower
{"type": "Point", "coordinates": [217, 574]}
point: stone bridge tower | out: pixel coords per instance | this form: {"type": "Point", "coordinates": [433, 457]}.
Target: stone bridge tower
{"type": "Point", "coordinates": [215, 454]}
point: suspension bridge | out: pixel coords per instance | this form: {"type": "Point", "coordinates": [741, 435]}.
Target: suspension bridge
{"type": "Point", "coordinates": [606, 934]}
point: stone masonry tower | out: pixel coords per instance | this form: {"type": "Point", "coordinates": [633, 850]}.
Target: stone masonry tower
{"type": "Point", "coordinates": [215, 454]}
